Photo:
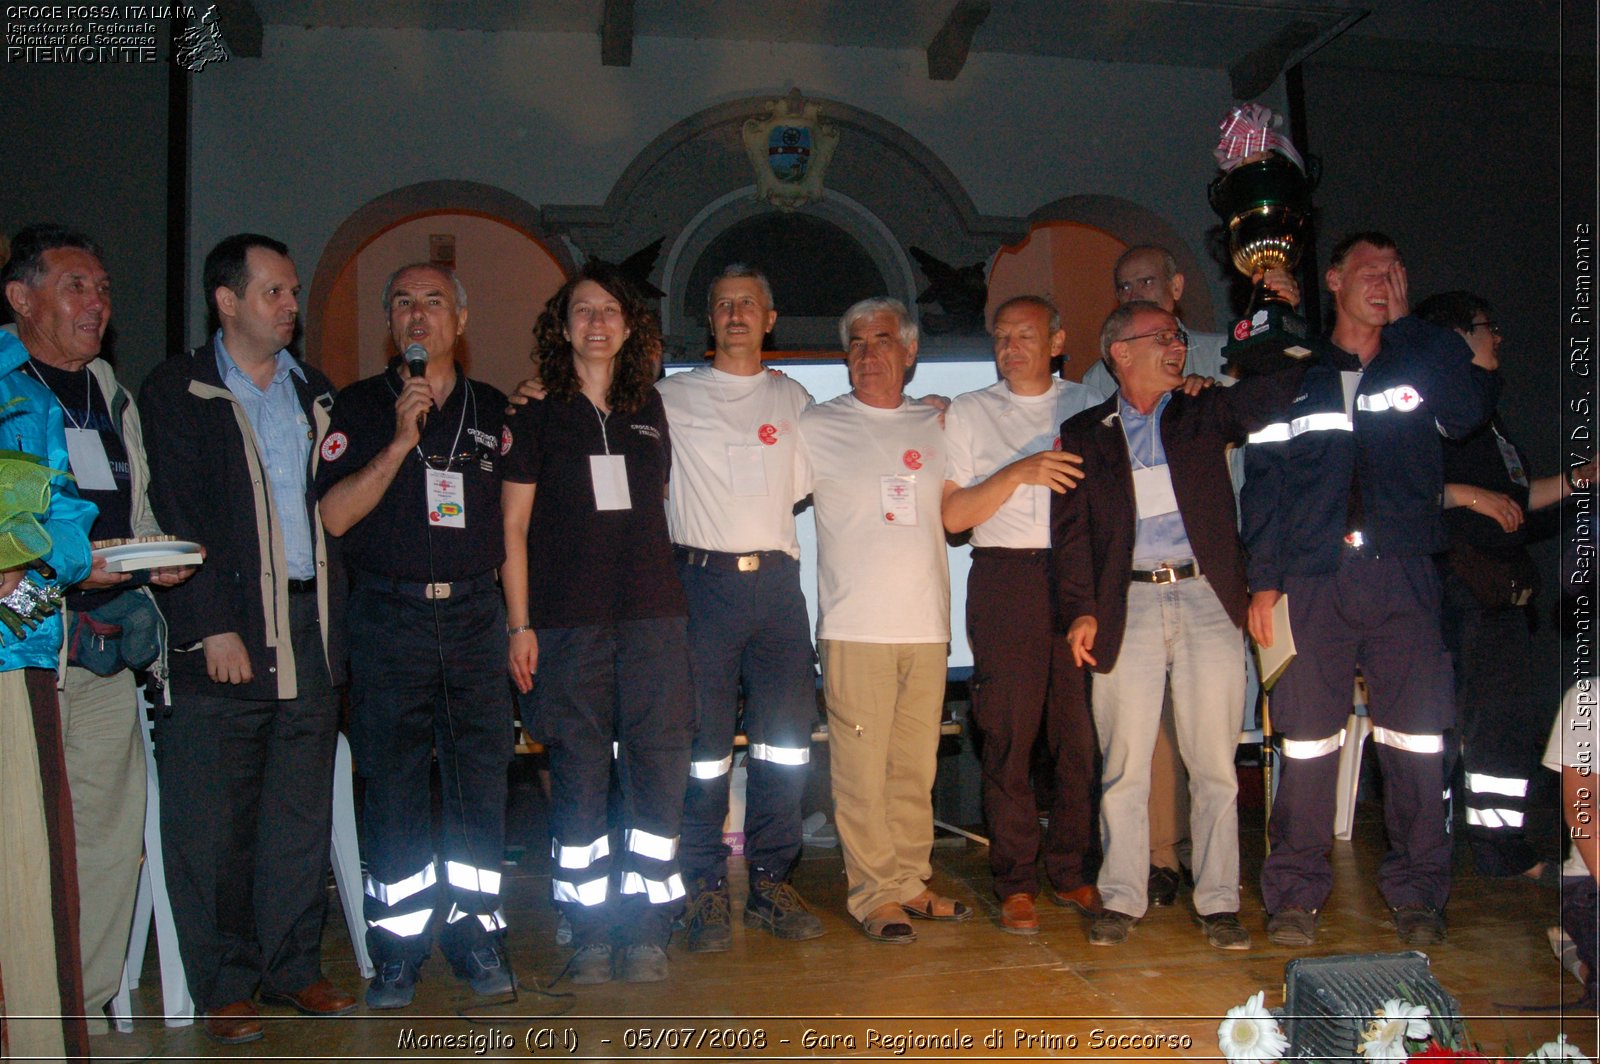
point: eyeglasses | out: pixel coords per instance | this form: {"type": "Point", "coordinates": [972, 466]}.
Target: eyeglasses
{"type": "Point", "coordinates": [1492, 326]}
{"type": "Point", "coordinates": [1164, 338]}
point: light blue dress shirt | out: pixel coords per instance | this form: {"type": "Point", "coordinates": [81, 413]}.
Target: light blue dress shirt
{"type": "Point", "coordinates": [284, 435]}
{"type": "Point", "coordinates": [1157, 539]}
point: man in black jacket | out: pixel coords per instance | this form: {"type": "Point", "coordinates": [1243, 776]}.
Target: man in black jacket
{"type": "Point", "coordinates": [1150, 585]}
{"type": "Point", "coordinates": [233, 430]}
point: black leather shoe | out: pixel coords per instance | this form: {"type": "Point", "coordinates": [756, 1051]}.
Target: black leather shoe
{"type": "Point", "coordinates": [1164, 883]}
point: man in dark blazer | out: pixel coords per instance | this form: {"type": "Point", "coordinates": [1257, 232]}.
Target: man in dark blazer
{"type": "Point", "coordinates": [1150, 590]}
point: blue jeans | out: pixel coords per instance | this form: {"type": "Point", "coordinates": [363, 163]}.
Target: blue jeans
{"type": "Point", "coordinates": [1179, 634]}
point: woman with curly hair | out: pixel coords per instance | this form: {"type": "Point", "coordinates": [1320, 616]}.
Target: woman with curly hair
{"type": "Point", "coordinates": [597, 619]}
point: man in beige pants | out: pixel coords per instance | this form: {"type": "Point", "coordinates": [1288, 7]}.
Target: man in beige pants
{"type": "Point", "coordinates": [877, 467]}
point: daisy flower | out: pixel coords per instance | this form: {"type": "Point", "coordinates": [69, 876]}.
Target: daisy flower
{"type": "Point", "coordinates": [1393, 1023]}
{"type": "Point", "coordinates": [1250, 1034]}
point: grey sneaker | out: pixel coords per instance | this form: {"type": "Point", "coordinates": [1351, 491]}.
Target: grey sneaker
{"type": "Point", "coordinates": [1111, 928]}
{"type": "Point", "coordinates": [487, 972]}
{"type": "Point", "coordinates": [644, 964]}
{"type": "Point", "coordinates": [708, 919]}
{"type": "Point", "coordinates": [1223, 930]}
{"type": "Point", "coordinates": [393, 987]}
{"type": "Point", "coordinates": [591, 964]}
{"type": "Point", "coordinates": [776, 906]}
{"type": "Point", "coordinates": [1419, 925]}
{"type": "Point", "coordinates": [1292, 926]}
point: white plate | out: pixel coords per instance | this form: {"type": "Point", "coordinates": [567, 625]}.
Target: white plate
{"type": "Point", "coordinates": [127, 557]}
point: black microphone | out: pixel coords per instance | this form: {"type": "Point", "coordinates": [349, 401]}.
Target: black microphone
{"type": "Point", "coordinates": [416, 358]}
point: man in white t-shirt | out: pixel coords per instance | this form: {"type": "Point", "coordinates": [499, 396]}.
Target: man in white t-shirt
{"type": "Point", "coordinates": [730, 509]}
{"type": "Point", "coordinates": [1005, 460]}
{"type": "Point", "coordinates": [877, 466]}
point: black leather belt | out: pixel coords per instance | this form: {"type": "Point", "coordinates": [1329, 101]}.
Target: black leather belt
{"type": "Point", "coordinates": [733, 563]}
{"type": "Point", "coordinates": [442, 589]}
{"type": "Point", "coordinates": [303, 587]}
{"type": "Point", "coordinates": [1019, 553]}
{"type": "Point", "coordinates": [1166, 574]}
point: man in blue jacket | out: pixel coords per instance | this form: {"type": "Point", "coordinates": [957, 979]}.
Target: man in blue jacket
{"type": "Point", "coordinates": [1341, 514]}
{"type": "Point", "coordinates": [39, 890]}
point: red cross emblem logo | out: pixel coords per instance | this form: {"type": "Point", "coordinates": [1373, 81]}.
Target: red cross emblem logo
{"type": "Point", "coordinates": [1406, 398]}
{"type": "Point", "coordinates": [767, 434]}
{"type": "Point", "coordinates": [912, 459]}
{"type": "Point", "coordinates": [335, 445]}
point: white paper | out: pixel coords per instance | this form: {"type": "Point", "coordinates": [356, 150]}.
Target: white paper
{"type": "Point", "coordinates": [898, 499]}
{"type": "Point", "coordinates": [610, 475]}
{"type": "Point", "coordinates": [1152, 491]}
{"type": "Point", "coordinates": [86, 453]}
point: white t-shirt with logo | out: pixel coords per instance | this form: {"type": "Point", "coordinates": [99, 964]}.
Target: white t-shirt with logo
{"type": "Point", "coordinates": [987, 430]}
{"type": "Point", "coordinates": [735, 459]}
{"type": "Point", "coordinates": [877, 477]}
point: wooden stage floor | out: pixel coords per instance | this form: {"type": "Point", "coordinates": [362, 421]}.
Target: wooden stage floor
{"type": "Point", "coordinates": [1050, 996]}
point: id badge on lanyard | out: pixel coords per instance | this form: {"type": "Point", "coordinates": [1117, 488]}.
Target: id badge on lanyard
{"type": "Point", "coordinates": [1152, 491]}
{"type": "Point", "coordinates": [898, 499]}
{"type": "Point", "coordinates": [447, 499]}
{"type": "Point", "coordinates": [609, 473]}
{"type": "Point", "coordinates": [86, 453]}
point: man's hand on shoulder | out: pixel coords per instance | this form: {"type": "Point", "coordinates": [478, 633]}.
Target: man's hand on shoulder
{"type": "Point", "coordinates": [532, 388]}
{"type": "Point", "coordinates": [1194, 384]}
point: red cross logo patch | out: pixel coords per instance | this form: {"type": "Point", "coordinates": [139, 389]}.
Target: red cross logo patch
{"type": "Point", "coordinates": [505, 439]}
{"type": "Point", "coordinates": [334, 445]}
{"type": "Point", "coordinates": [1406, 398]}
{"type": "Point", "coordinates": [767, 434]}
{"type": "Point", "coordinates": [912, 459]}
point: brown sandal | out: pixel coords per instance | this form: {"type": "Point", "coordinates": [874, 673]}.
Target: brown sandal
{"type": "Point", "coordinates": [887, 923]}
{"type": "Point", "coordinates": [931, 906]}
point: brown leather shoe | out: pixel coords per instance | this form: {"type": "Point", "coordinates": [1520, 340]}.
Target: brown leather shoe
{"type": "Point", "coordinates": [235, 1023]}
{"type": "Point", "coordinates": [321, 998]}
{"type": "Point", "coordinates": [1085, 899]}
{"type": "Point", "coordinates": [1017, 915]}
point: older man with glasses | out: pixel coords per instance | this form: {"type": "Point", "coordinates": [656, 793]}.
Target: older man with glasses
{"type": "Point", "coordinates": [1150, 582]}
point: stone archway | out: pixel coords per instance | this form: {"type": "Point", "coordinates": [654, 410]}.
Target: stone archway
{"type": "Point", "coordinates": [885, 189]}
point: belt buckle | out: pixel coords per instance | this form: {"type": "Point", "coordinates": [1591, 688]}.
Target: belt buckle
{"type": "Point", "coordinates": [1164, 574]}
{"type": "Point", "coordinates": [749, 563]}
{"type": "Point", "coordinates": [440, 590]}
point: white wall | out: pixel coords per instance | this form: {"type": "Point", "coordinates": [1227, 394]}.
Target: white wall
{"type": "Point", "coordinates": [293, 143]}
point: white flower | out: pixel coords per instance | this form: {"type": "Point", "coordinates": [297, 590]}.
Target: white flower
{"type": "Point", "coordinates": [1386, 1035]}
{"type": "Point", "coordinates": [1560, 1049]}
{"type": "Point", "coordinates": [1250, 1035]}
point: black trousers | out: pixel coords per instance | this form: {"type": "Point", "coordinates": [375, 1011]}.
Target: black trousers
{"type": "Point", "coordinates": [616, 697]}
{"type": "Point", "coordinates": [1502, 727]}
{"type": "Point", "coordinates": [426, 676]}
{"type": "Point", "coordinates": [246, 816]}
{"type": "Point", "coordinates": [1023, 683]}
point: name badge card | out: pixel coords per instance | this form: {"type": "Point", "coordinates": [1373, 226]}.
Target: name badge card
{"type": "Point", "coordinates": [609, 472]}
{"type": "Point", "coordinates": [86, 453]}
{"type": "Point", "coordinates": [447, 499]}
{"type": "Point", "coordinates": [1508, 455]}
{"type": "Point", "coordinates": [747, 473]}
{"type": "Point", "coordinates": [1152, 491]}
{"type": "Point", "coordinates": [898, 498]}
